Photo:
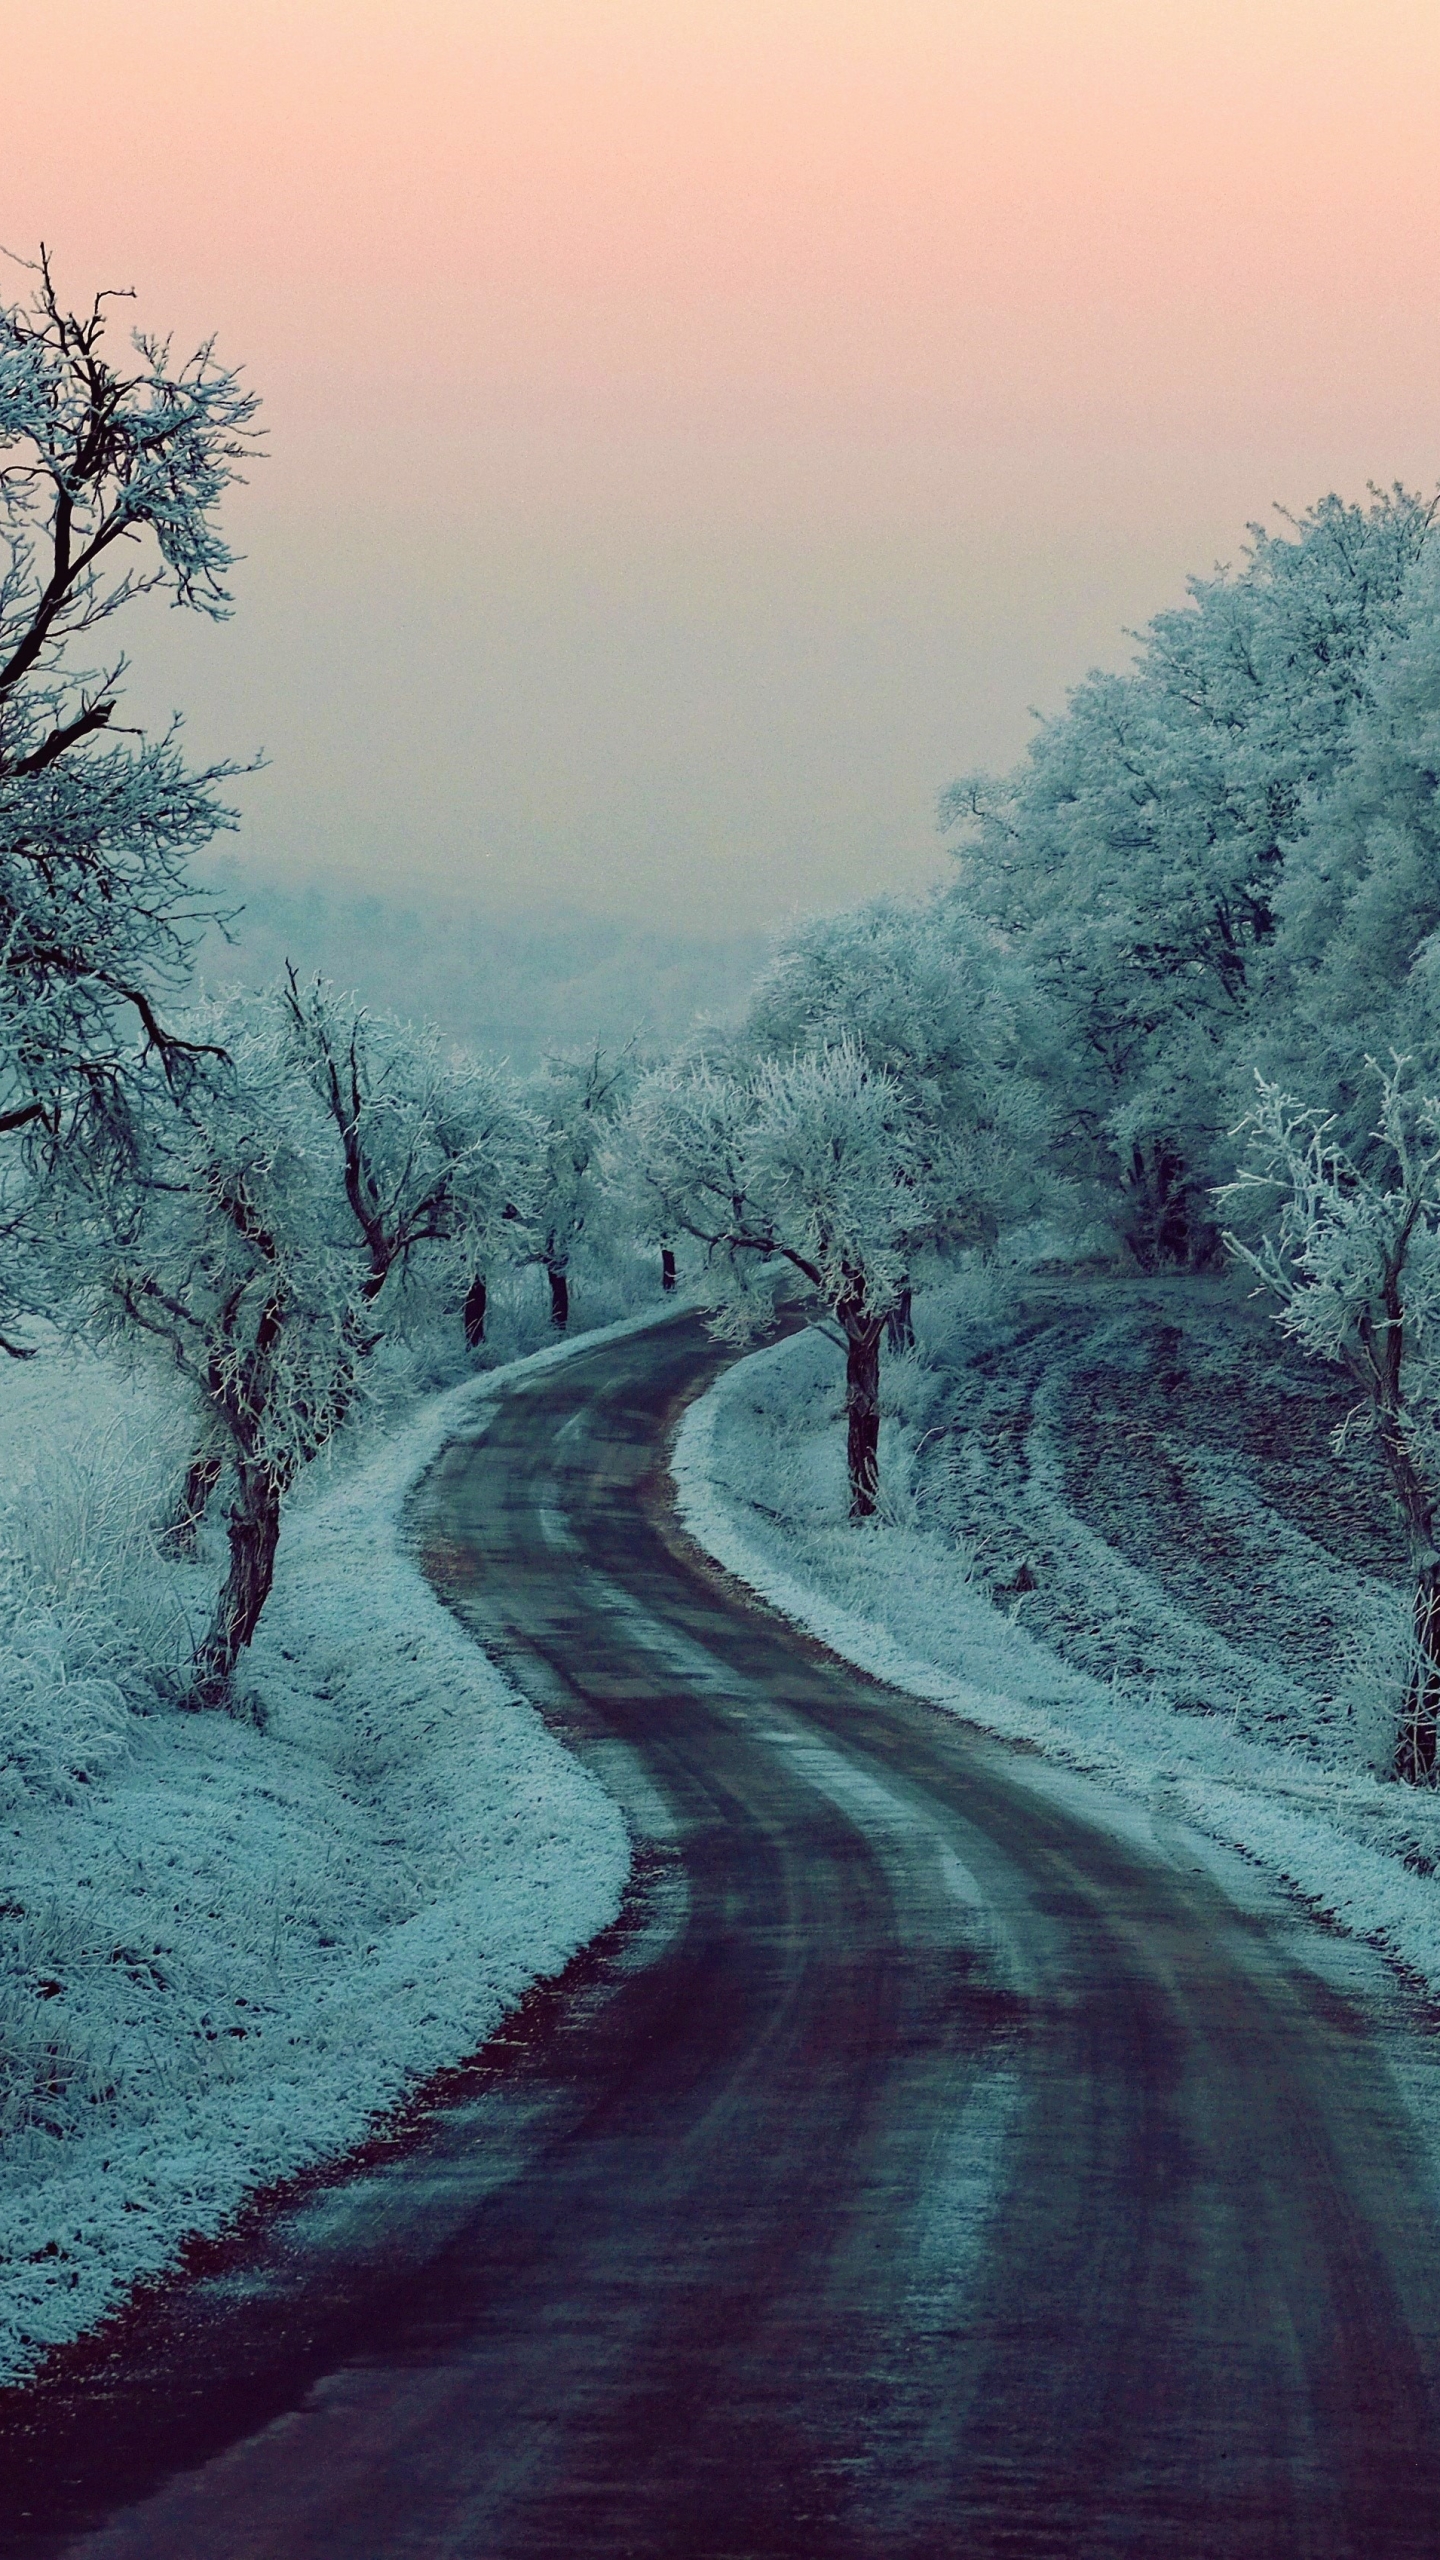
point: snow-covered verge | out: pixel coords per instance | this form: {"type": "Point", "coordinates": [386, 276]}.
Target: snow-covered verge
{"type": "Point", "coordinates": [913, 1599]}
{"type": "Point", "coordinates": [225, 1947]}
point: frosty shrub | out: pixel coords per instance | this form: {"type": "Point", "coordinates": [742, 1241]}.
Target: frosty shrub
{"type": "Point", "coordinates": [90, 1616]}
{"type": "Point", "coordinates": [1378, 1670]}
{"type": "Point", "coordinates": [52, 2065]}
{"type": "Point", "coordinates": [63, 1718]}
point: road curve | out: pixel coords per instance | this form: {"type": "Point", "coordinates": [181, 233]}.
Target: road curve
{"type": "Point", "coordinates": [926, 2165]}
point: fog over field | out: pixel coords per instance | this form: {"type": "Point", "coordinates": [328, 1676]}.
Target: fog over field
{"type": "Point", "coordinates": [519, 983]}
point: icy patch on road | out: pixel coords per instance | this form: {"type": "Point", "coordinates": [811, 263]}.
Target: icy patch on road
{"type": "Point", "coordinates": [224, 1950]}
{"type": "Point", "coordinates": [758, 1468]}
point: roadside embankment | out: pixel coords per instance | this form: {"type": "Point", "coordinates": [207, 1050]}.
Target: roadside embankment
{"type": "Point", "coordinates": [227, 1947]}
{"type": "Point", "coordinates": [909, 1597]}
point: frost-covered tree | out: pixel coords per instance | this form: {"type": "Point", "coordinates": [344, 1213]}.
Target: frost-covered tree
{"type": "Point", "coordinates": [802, 1171]}
{"type": "Point", "coordinates": [439, 1151]}
{"type": "Point", "coordinates": [1138, 854]}
{"type": "Point", "coordinates": [1357, 948]}
{"type": "Point", "coordinates": [268, 1243]}
{"type": "Point", "coordinates": [577, 1101]}
{"type": "Point", "coordinates": [434, 1149]}
{"type": "Point", "coordinates": [931, 996]}
{"type": "Point", "coordinates": [1351, 1250]}
{"type": "Point", "coordinates": [112, 469]}
{"type": "Point", "coordinates": [236, 1262]}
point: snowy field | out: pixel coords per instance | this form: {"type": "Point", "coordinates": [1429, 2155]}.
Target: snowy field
{"type": "Point", "coordinates": [226, 1946]}
{"type": "Point", "coordinates": [1099, 1550]}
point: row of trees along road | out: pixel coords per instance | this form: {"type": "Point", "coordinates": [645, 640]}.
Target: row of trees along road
{"type": "Point", "coordinates": [1222, 872]}
{"type": "Point", "coordinates": [1180, 1001]}
{"type": "Point", "coordinates": [251, 1186]}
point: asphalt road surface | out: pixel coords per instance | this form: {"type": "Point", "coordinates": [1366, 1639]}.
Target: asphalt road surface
{"type": "Point", "coordinates": [934, 2160]}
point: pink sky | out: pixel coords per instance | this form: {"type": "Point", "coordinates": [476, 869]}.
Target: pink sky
{"type": "Point", "coordinates": [699, 430]}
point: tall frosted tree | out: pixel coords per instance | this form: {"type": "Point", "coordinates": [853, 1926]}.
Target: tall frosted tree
{"type": "Point", "coordinates": [1138, 855]}
{"type": "Point", "coordinates": [1357, 950]}
{"type": "Point", "coordinates": [113, 465]}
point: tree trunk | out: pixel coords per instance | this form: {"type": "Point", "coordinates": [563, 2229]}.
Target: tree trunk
{"type": "Point", "coordinates": [1416, 1750]}
{"type": "Point", "coordinates": [1416, 1743]}
{"type": "Point", "coordinates": [178, 1537]}
{"type": "Point", "coordinates": [558, 1278]}
{"type": "Point", "coordinates": [862, 1408]}
{"type": "Point", "coordinates": [1166, 1228]}
{"type": "Point", "coordinates": [900, 1323]}
{"type": "Point", "coordinates": [254, 1533]}
{"type": "Point", "coordinates": [473, 1312]}
{"type": "Point", "coordinates": [667, 1268]}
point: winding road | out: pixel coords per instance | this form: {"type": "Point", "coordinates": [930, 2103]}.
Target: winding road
{"type": "Point", "coordinates": [936, 2159]}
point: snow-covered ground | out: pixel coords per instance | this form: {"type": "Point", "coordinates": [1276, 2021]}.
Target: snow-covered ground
{"type": "Point", "coordinates": [226, 1946]}
{"type": "Point", "coordinates": [1188, 1698]}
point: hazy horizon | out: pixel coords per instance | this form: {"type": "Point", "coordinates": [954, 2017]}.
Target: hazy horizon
{"type": "Point", "coordinates": [518, 983]}
{"type": "Point", "coordinates": [696, 434]}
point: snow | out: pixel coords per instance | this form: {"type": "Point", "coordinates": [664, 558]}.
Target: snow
{"type": "Point", "coordinates": [225, 1947]}
{"type": "Point", "coordinates": [759, 1470]}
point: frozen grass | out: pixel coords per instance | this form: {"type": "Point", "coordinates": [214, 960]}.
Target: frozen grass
{"type": "Point", "coordinates": [1272, 1750]}
{"type": "Point", "coordinates": [224, 1948]}
{"type": "Point", "coordinates": [89, 1613]}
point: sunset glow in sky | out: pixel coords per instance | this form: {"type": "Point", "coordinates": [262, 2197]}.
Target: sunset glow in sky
{"type": "Point", "coordinates": [697, 431]}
